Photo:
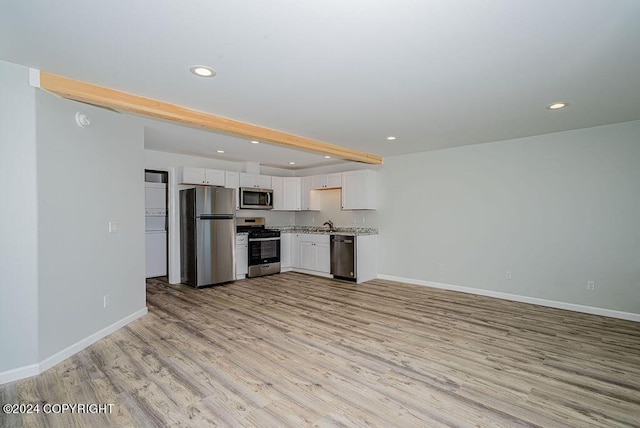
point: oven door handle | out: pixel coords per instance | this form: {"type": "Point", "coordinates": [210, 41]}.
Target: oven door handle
{"type": "Point", "coordinates": [263, 239]}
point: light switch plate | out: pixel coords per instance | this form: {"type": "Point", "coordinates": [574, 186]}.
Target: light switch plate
{"type": "Point", "coordinates": [113, 227]}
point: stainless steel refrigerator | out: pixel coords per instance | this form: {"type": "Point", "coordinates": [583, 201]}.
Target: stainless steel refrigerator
{"type": "Point", "coordinates": [207, 235]}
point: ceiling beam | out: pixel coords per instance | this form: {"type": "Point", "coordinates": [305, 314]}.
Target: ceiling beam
{"type": "Point", "coordinates": [122, 101]}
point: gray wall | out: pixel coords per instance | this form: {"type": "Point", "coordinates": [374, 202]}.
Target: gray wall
{"type": "Point", "coordinates": [86, 178]}
{"type": "Point", "coordinates": [18, 220]}
{"type": "Point", "coordinates": [556, 210]}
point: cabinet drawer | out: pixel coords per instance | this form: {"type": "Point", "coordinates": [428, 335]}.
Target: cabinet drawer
{"type": "Point", "coordinates": [315, 238]}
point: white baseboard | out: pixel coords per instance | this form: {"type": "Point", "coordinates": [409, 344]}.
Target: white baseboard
{"type": "Point", "coordinates": [517, 298]}
{"type": "Point", "coordinates": [36, 369]}
{"type": "Point", "coordinates": [19, 373]}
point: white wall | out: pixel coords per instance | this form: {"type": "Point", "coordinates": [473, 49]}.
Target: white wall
{"type": "Point", "coordinates": [18, 221]}
{"type": "Point", "coordinates": [556, 210]}
{"type": "Point", "coordinates": [86, 178]}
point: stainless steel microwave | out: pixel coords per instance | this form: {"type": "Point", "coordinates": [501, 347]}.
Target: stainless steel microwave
{"type": "Point", "coordinates": [252, 198]}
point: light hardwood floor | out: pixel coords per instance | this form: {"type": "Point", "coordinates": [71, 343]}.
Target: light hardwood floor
{"type": "Point", "coordinates": [296, 350]}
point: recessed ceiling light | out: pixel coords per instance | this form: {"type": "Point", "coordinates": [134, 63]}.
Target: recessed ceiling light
{"type": "Point", "coordinates": [220, 151]}
{"type": "Point", "coordinates": [327, 157]}
{"type": "Point", "coordinates": [202, 71]}
{"type": "Point", "coordinates": [254, 142]}
{"type": "Point", "coordinates": [391, 138]}
{"type": "Point", "coordinates": [292, 163]}
{"type": "Point", "coordinates": [556, 106]}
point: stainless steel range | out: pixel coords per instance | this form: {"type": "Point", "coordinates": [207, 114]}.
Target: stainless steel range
{"type": "Point", "coordinates": [264, 246]}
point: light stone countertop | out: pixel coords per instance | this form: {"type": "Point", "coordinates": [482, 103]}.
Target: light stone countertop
{"type": "Point", "coordinates": [323, 230]}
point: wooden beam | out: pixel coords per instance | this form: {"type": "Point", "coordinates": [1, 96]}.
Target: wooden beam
{"type": "Point", "coordinates": [122, 101]}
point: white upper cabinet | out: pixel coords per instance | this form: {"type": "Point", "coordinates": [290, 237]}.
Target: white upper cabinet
{"type": "Point", "coordinates": [359, 190]}
{"type": "Point", "coordinates": [278, 193]}
{"type": "Point", "coordinates": [286, 193]}
{"type": "Point", "coordinates": [327, 181]}
{"type": "Point", "coordinates": [232, 181]}
{"type": "Point", "coordinates": [204, 176]}
{"type": "Point", "coordinates": [255, 180]}
{"type": "Point", "coordinates": [292, 193]}
{"type": "Point", "coordinates": [309, 200]}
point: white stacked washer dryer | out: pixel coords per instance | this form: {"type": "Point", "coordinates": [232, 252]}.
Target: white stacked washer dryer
{"type": "Point", "coordinates": [155, 229]}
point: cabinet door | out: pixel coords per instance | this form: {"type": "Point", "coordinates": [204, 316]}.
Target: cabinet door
{"type": "Point", "coordinates": [308, 255]}
{"type": "Point", "coordinates": [254, 180]}
{"type": "Point", "coordinates": [327, 181]}
{"type": "Point", "coordinates": [247, 180]}
{"type": "Point", "coordinates": [242, 254]}
{"type": "Point", "coordinates": [309, 200]}
{"type": "Point", "coordinates": [295, 250]}
{"type": "Point", "coordinates": [232, 181]}
{"type": "Point", "coordinates": [323, 258]}
{"type": "Point", "coordinates": [263, 181]}
{"type": "Point", "coordinates": [214, 177]}
{"type": "Point", "coordinates": [359, 190]}
{"type": "Point", "coordinates": [319, 181]}
{"type": "Point", "coordinates": [290, 192]}
{"type": "Point", "coordinates": [285, 250]}
{"type": "Point", "coordinates": [334, 180]}
{"type": "Point", "coordinates": [305, 194]}
{"type": "Point", "coordinates": [277, 184]}
{"type": "Point", "coordinates": [193, 176]}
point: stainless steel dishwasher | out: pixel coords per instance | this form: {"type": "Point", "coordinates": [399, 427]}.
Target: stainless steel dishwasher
{"type": "Point", "coordinates": [343, 257]}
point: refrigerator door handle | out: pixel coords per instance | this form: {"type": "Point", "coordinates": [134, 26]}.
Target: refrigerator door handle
{"type": "Point", "coordinates": [216, 216]}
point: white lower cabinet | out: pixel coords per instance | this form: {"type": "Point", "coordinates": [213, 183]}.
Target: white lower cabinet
{"type": "Point", "coordinates": [294, 250]}
{"type": "Point", "coordinates": [311, 253]}
{"type": "Point", "coordinates": [366, 258]}
{"type": "Point", "coordinates": [285, 251]}
{"type": "Point", "coordinates": [242, 255]}
{"type": "Point", "coordinates": [308, 255]}
{"type": "Point", "coordinates": [314, 252]}
{"type": "Point", "coordinates": [323, 257]}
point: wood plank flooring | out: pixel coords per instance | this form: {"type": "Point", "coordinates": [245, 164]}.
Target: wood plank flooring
{"type": "Point", "coordinates": [296, 350]}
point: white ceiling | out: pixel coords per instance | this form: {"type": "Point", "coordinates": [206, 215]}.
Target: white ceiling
{"type": "Point", "coordinates": [435, 73]}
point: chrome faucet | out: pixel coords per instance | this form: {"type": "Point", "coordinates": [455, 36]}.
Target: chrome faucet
{"type": "Point", "coordinates": [328, 223]}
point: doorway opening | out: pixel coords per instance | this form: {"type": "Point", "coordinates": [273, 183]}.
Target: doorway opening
{"type": "Point", "coordinates": [156, 223]}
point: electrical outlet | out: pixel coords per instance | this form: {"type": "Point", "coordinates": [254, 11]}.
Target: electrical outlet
{"type": "Point", "coordinates": [591, 286]}
{"type": "Point", "coordinates": [105, 300]}
{"type": "Point", "coordinates": [440, 267]}
{"type": "Point", "coordinates": [507, 275]}
{"type": "Point", "coordinates": [364, 220]}
{"type": "Point", "coordinates": [313, 219]}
